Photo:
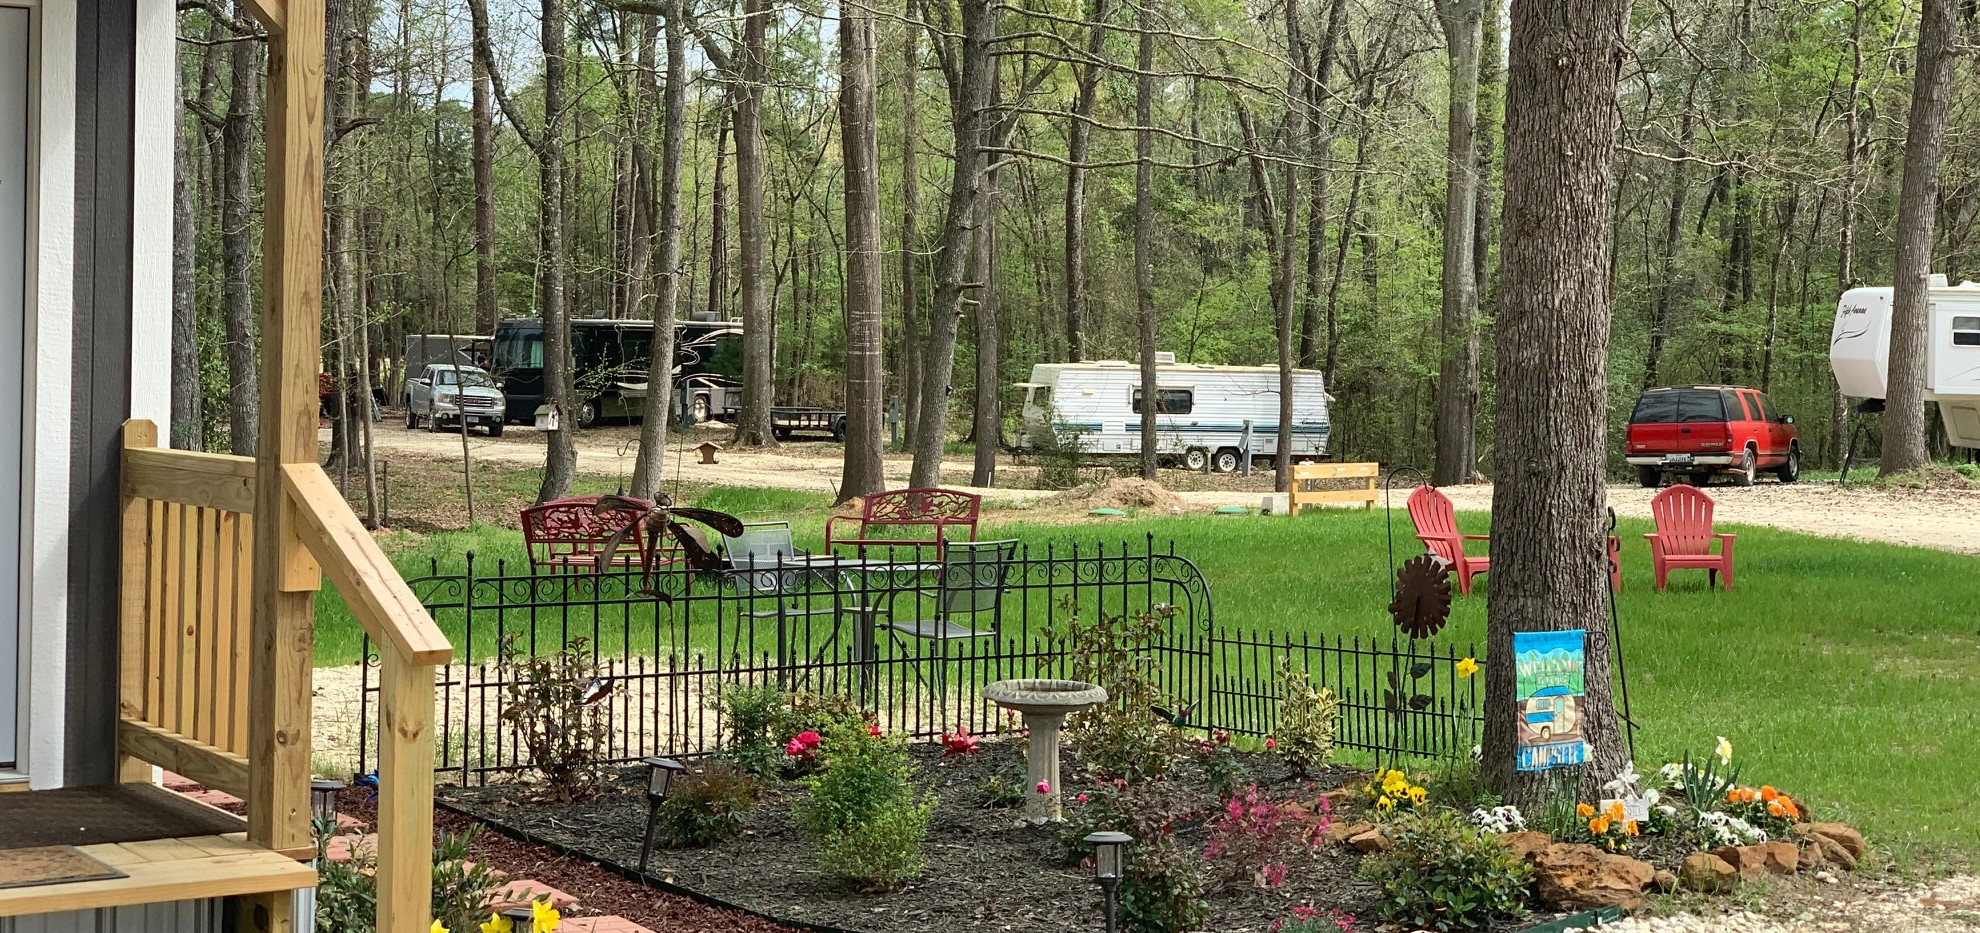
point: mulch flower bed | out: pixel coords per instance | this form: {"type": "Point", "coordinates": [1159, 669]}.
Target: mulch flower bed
{"type": "Point", "coordinates": [986, 869]}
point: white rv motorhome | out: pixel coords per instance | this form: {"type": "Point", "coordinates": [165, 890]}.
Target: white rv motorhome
{"type": "Point", "coordinates": [1860, 346]}
{"type": "Point", "coordinates": [1201, 410]}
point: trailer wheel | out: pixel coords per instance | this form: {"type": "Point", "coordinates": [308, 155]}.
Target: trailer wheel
{"type": "Point", "coordinates": [587, 414]}
{"type": "Point", "coordinates": [1226, 461]}
{"type": "Point", "coordinates": [700, 408]}
{"type": "Point", "coordinates": [839, 429]}
{"type": "Point", "coordinates": [1196, 460]}
{"type": "Point", "coordinates": [782, 434]}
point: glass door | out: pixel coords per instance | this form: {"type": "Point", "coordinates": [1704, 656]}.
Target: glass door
{"type": "Point", "coordinates": [13, 316]}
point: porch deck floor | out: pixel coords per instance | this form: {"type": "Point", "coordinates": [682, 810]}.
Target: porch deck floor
{"type": "Point", "coordinates": [162, 870]}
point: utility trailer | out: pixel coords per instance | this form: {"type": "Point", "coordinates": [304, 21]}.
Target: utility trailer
{"type": "Point", "coordinates": [1206, 416]}
{"type": "Point", "coordinates": [787, 421]}
{"type": "Point", "coordinates": [1860, 348]}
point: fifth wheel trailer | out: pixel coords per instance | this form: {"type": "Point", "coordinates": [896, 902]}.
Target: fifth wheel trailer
{"type": "Point", "coordinates": [1860, 344]}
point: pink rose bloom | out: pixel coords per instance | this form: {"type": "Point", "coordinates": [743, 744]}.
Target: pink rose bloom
{"type": "Point", "coordinates": [795, 749]}
{"type": "Point", "coordinates": [809, 738]}
{"type": "Point", "coordinates": [872, 730]}
{"type": "Point", "coordinates": [1044, 787]}
{"type": "Point", "coordinates": [1082, 798]}
{"type": "Point", "coordinates": [1269, 745]}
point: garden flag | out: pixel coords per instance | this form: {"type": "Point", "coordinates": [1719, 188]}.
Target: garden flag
{"type": "Point", "coordinates": [1549, 691]}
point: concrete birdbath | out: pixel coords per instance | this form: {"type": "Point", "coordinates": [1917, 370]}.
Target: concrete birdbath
{"type": "Point", "coordinates": [1044, 705]}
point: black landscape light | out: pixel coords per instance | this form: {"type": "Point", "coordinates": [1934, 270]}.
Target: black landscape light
{"type": "Point", "coordinates": [323, 800]}
{"type": "Point", "coordinates": [1109, 861]}
{"type": "Point", "coordinates": [660, 776]}
{"type": "Point", "coordinates": [521, 919]}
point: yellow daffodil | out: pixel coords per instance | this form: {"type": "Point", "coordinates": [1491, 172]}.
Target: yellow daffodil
{"type": "Point", "coordinates": [546, 919]}
{"type": "Point", "coordinates": [1724, 751]}
{"type": "Point", "coordinates": [1467, 667]}
{"type": "Point", "coordinates": [496, 923]}
{"type": "Point", "coordinates": [437, 927]}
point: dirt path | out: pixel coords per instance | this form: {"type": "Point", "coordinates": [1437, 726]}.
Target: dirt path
{"type": "Point", "coordinates": [1939, 518]}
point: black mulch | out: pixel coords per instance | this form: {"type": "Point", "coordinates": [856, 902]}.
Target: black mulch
{"type": "Point", "coordinates": [986, 870]}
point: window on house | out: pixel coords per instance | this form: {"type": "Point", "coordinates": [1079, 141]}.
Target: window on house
{"type": "Point", "coordinates": [1169, 401]}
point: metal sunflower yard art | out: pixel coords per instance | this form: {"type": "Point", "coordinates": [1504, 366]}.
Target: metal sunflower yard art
{"type": "Point", "coordinates": [652, 520]}
{"type": "Point", "coordinates": [1423, 596]}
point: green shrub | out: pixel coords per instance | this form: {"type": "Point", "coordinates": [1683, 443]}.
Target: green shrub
{"type": "Point", "coordinates": [708, 809]}
{"type": "Point", "coordinates": [347, 891]}
{"type": "Point", "coordinates": [1305, 733]}
{"type": "Point", "coordinates": [1162, 889]}
{"type": "Point", "coordinates": [759, 721]}
{"type": "Point", "coordinates": [1124, 737]}
{"type": "Point", "coordinates": [553, 704]}
{"type": "Point", "coordinates": [1061, 455]}
{"type": "Point", "coordinates": [863, 813]}
{"type": "Point", "coordinates": [1444, 874]}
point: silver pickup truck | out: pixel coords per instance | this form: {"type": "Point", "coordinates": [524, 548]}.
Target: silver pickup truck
{"type": "Point", "coordinates": [447, 392]}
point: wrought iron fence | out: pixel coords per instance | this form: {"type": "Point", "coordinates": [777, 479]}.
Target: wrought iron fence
{"type": "Point", "coordinates": [668, 645]}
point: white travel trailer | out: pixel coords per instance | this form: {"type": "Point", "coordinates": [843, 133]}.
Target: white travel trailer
{"type": "Point", "coordinates": [1201, 410]}
{"type": "Point", "coordinates": [1860, 346]}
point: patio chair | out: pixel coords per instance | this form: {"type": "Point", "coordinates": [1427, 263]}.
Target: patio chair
{"type": "Point", "coordinates": [1684, 536]}
{"type": "Point", "coordinates": [969, 585]}
{"type": "Point", "coordinates": [1436, 526]}
{"type": "Point", "coordinates": [764, 561]}
{"type": "Point", "coordinates": [567, 536]}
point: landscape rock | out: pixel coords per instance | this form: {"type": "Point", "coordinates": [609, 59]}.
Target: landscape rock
{"type": "Point", "coordinates": [1706, 873]}
{"type": "Point", "coordinates": [1844, 835]}
{"type": "Point", "coordinates": [1817, 849]}
{"type": "Point", "coordinates": [1665, 881]}
{"type": "Point", "coordinates": [1524, 845]}
{"type": "Point", "coordinates": [1573, 876]}
{"type": "Point", "coordinates": [1370, 841]}
{"type": "Point", "coordinates": [1339, 831]}
{"type": "Point", "coordinates": [1755, 862]}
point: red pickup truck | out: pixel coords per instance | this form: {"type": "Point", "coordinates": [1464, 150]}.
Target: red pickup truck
{"type": "Point", "coordinates": [1701, 431]}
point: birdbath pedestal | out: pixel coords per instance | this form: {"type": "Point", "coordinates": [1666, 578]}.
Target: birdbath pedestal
{"type": "Point", "coordinates": [1044, 705]}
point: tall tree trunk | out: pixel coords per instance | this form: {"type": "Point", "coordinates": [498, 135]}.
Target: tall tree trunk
{"type": "Point", "coordinates": [1320, 145]}
{"type": "Point", "coordinates": [237, 244]}
{"type": "Point", "coordinates": [560, 461]}
{"type": "Point", "coordinates": [1549, 541]}
{"type": "Point", "coordinates": [718, 222]}
{"type": "Point", "coordinates": [188, 429]}
{"type": "Point", "coordinates": [1457, 379]}
{"type": "Point", "coordinates": [650, 466]}
{"type": "Point", "coordinates": [487, 307]}
{"type": "Point", "coordinates": [911, 346]}
{"type": "Point", "coordinates": [987, 427]}
{"type": "Point", "coordinates": [1491, 120]}
{"type": "Point", "coordinates": [1079, 132]}
{"type": "Point", "coordinates": [859, 125]}
{"type": "Point", "coordinates": [1853, 147]}
{"type": "Point", "coordinates": [1783, 232]}
{"type": "Point", "coordinates": [1144, 239]}
{"type": "Point", "coordinates": [759, 336]}
{"type": "Point", "coordinates": [970, 116]}
{"type": "Point", "coordinates": [1918, 203]}
{"type": "Point", "coordinates": [1666, 297]}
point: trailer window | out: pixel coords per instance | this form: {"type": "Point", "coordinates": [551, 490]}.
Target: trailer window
{"type": "Point", "coordinates": [1966, 332]}
{"type": "Point", "coordinates": [1042, 396]}
{"type": "Point", "coordinates": [1169, 401]}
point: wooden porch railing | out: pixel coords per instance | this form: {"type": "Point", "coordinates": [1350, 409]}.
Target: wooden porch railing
{"type": "Point", "coordinates": [191, 697]}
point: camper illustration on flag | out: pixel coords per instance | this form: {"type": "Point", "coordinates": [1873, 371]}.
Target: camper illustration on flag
{"type": "Point", "coordinates": [1550, 681]}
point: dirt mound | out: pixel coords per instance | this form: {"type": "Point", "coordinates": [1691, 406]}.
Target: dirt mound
{"type": "Point", "coordinates": [1935, 476]}
{"type": "Point", "coordinates": [1117, 494]}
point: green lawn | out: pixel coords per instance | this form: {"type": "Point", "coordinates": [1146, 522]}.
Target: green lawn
{"type": "Point", "coordinates": [1844, 672]}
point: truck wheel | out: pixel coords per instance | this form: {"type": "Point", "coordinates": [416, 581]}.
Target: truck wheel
{"type": "Point", "coordinates": [1196, 460]}
{"type": "Point", "coordinates": [1226, 461]}
{"type": "Point", "coordinates": [1747, 469]}
{"type": "Point", "coordinates": [495, 428]}
{"type": "Point", "coordinates": [412, 420]}
{"type": "Point", "coordinates": [1790, 472]}
{"type": "Point", "coordinates": [1649, 477]}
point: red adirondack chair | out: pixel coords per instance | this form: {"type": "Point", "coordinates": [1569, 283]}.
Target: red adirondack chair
{"type": "Point", "coordinates": [1684, 536]}
{"type": "Point", "coordinates": [1436, 527]}
{"type": "Point", "coordinates": [1615, 563]}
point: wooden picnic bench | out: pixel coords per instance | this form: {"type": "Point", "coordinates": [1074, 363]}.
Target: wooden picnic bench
{"type": "Point", "coordinates": [567, 535]}
{"type": "Point", "coordinates": [891, 514]}
{"type": "Point", "coordinates": [1307, 477]}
